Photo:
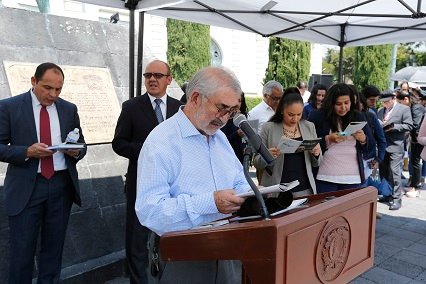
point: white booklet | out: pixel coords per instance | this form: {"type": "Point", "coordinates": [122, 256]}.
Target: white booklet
{"type": "Point", "coordinates": [65, 147]}
{"type": "Point", "coordinates": [282, 187]}
{"type": "Point", "coordinates": [287, 145]}
{"type": "Point", "coordinates": [295, 204]}
{"type": "Point", "coordinates": [353, 127]}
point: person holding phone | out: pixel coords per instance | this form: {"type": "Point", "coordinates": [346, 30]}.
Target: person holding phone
{"type": "Point", "coordinates": [342, 164]}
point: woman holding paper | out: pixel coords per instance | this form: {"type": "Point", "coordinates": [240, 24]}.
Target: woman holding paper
{"type": "Point", "coordinates": [342, 165]}
{"type": "Point", "coordinates": [287, 124]}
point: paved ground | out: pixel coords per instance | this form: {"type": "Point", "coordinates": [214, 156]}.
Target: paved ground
{"type": "Point", "coordinates": [400, 250]}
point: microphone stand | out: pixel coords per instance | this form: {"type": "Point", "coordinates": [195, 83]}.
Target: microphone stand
{"type": "Point", "coordinates": [248, 153]}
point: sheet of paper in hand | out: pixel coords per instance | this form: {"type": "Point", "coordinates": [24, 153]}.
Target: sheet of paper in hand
{"type": "Point", "coordinates": [287, 145]}
{"type": "Point", "coordinates": [353, 127]}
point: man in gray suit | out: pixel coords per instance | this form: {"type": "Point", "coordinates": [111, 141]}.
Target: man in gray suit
{"type": "Point", "coordinates": [396, 121]}
{"type": "Point", "coordinates": [40, 184]}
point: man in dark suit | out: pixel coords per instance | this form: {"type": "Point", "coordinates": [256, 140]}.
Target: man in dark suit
{"type": "Point", "coordinates": [40, 184]}
{"type": "Point", "coordinates": [396, 121]}
{"type": "Point", "coordinates": [138, 117]}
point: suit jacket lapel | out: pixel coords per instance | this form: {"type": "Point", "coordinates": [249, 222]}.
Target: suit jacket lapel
{"type": "Point", "coordinates": [148, 110]}
{"type": "Point", "coordinates": [28, 113]}
{"type": "Point", "coordinates": [62, 118]}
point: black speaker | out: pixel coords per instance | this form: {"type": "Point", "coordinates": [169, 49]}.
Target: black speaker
{"type": "Point", "coordinates": [325, 79]}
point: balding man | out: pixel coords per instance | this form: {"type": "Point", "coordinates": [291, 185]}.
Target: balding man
{"type": "Point", "coordinates": [137, 119]}
{"type": "Point", "coordinates": [188, 173]}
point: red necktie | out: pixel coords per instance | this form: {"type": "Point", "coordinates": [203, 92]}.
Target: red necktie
{"type": "Point", "coordinates": [47, 169]}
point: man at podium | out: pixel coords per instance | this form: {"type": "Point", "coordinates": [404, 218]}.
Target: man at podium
{"type": "Point", "coordinates": [188, 174]}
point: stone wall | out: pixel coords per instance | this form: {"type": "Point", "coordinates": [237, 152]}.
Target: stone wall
{"type": "Point", "coordinates": [96, 230]}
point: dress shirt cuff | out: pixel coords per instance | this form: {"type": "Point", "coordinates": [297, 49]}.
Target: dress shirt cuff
{"type": "Point", "coordinates": [204, 203]}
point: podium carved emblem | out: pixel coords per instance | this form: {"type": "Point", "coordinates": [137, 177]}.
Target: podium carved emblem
{"type": "Point", "coordinates": [333, 249]}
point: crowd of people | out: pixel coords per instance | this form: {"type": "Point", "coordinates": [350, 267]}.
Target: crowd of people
{"type": "Point", "coordinates": [167, 140]}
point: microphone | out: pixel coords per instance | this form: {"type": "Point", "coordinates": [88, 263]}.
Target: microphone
{"type": "Point", "coordinates": [254, 139]}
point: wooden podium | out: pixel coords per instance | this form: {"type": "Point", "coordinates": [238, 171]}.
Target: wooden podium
{"type": "Point", "coordinates": [331, 240]}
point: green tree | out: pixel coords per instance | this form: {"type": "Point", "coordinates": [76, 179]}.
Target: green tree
{"type": "Point", "coordinates": [188, 48]}
{"type": "Point", "coordinates": [409, 53]}
{"type": "Point", "coordinates": [331, 63]}
{"type": "Point", "coordinates": [372, 66]}
{"type": "Point", "coordinates": [289, 61]}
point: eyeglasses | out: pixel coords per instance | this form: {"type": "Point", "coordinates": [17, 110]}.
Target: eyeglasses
{"type": "Point", "coordinates": [224, 109]}
{"type": "Point", "coordinates": [156, 75]}
{"type": "Point", "coordinates": [274, 98]}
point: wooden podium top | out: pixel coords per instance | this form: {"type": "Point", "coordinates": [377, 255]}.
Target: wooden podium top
{"type": "Point", "coordinates": [331, 240]}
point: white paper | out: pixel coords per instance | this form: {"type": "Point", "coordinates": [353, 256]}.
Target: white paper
{"type": "Point", "coordinates": [287, 145]}
{"type": "Point", "coordinates": [65, 147]}
{"type": "Point", "coordinates": [217, 223]}
{"type": "Point", "coordinates": [271, 189]}
{"type": "Point", "coordinates": [353, 127]}
{"type": "Point", "coordinates": [296, 203]}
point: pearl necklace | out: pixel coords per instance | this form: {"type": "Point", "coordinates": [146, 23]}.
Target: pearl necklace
{"type": "Point", "coordinates": [290, 133]}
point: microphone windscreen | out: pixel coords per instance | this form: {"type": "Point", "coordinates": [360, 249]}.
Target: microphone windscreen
{"type": "Point", "coordinates": [238, 119]}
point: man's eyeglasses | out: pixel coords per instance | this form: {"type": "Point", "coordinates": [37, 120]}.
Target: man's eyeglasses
{"type": "Point", "coordinates": [274, 98]}
{"type": "Point", "coordinates": [156, 75]}
{"type": "Point", "coordinates": [223, 110]}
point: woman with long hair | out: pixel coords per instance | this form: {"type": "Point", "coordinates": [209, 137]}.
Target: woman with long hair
{"type": "Point", "coordinates": [342, 165]}
{"type": "Point", "coordinates": [315, 100]}
{"type": "Point", "coordinates": [287, 121]}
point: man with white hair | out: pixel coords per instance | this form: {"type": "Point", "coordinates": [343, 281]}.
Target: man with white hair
{"type": "Point", "coordinates": [188, 175]}
{"type": "Point", "coordinates": [272, 93]}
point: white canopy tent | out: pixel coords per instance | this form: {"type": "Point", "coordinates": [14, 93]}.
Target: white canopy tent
{"type": "Point", "coordinates": [335, 22]}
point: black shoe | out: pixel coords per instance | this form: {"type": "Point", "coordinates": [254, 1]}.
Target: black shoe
{"type": "Point", "coordinates": [385, 199]}
{"type": "Point", "coordinates": [395, 204]}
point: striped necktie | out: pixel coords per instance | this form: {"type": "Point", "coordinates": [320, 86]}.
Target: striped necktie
{"type": "Point", "coordinates": [157, 110]}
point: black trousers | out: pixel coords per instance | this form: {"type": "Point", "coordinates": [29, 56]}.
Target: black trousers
{"type": "Point", "coordinates": [136, 245]}
{"type": "Point", "coordinates": [415, 151]}
{"type": "Point", "coordinates": [391, 169]}
{"type": "Point", "coordinates": [47, 212]}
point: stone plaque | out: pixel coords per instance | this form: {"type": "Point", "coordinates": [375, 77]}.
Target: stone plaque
{"type": "Point", "coordinates": [90, 88]}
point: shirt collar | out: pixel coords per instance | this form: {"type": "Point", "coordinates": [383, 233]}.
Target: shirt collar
{"type": "Point", "coordinates": [36, 103]}
{"type": "Point", "coordinates": [186, 127]}
{"type": "Point", "coordinates": [163, 98]}
{"type": "Point", "coordinates": [266, 106]}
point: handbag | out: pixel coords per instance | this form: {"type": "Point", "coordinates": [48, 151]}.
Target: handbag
{"type": "Point", "coordinates": [382, 185]}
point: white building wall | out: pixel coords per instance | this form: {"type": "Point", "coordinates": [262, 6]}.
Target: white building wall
{"type": "Point", "coordinates": [243, 53]}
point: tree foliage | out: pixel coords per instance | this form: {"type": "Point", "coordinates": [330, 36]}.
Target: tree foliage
{"type": "Point", "coordinates": [410, 54]}
{"type": "Point", "coordinates": [372, 66]}
{"type": "Point", "coordinates": [188, 48]}
{"type": "Point", "coordinates": [331, 63]}
{"type": "Point", "coordinates": [289, 61]}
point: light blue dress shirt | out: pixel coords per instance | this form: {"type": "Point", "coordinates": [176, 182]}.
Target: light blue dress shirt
{"type": "Point", "coordinates": [178, 171]}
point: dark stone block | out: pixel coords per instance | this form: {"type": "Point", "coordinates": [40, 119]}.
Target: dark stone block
{"type": "Point", "coordinates": [89, 234]}
{"type": "Point", "coordinates": [98, 270]}
{"type": "Point", "coordinates": [116, 223]}
{"type": "Point", "coordinates": [110, 190]}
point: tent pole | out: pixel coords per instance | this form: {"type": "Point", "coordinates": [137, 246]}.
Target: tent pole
{"type": "Point", "coordinates": [132, 53]}
{"type": "Point", "coordinates": [140, 55]}
{"type": "Point", "coordinates": [341, 44]}
{"type": "Point", "coordinates": [340, 76]}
